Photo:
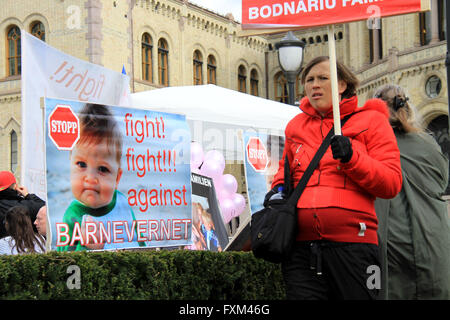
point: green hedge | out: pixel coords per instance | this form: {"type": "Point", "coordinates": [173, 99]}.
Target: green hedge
{"type": "Point", "coordinates": [155, 275]}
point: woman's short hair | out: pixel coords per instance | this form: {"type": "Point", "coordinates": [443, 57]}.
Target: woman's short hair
{"type": "Point", "coordinates": [343, 73]}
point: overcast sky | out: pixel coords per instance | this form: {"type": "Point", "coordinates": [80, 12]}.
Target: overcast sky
{"type": "Point", "coordinates": [222, 6]}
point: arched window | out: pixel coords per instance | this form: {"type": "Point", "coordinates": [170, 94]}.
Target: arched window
{"type": "Point", "coordinates": [163, 62]}
{"type": "Point", "coordinates": [14, 151]}
{"type": "Point", "coordinates": [254, 78]}
{"type": "Point", "coordinates": [281, 88]}
{"type": "Point", "coordinates": [13, 51]}
{"type": "Point", "coordinates": [198, 67]}
{"type": "Point", "coordinates": [147, 62]}
{"type": "Point", "coordinates": [38, 30]}
{"type": "Point", "coordinates": [211, 70]}
{"type": "Point", "coordinates": [242, 79]}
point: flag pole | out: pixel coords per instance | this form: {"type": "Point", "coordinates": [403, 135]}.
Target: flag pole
{"type": "Point", "coordinates": [334, 80]}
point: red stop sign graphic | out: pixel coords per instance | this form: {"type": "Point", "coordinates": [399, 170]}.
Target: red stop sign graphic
{"type": "Point", "coordinates": [63, 127]}
{"type": "Point", "coordinates": [257, 154]}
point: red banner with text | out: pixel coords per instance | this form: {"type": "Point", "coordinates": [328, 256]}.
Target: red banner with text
{"type": "Point", "coordinates": [258, 14]}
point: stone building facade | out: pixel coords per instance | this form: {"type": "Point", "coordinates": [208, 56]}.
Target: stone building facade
{"type": "Point", "coordinates": [176, 43]}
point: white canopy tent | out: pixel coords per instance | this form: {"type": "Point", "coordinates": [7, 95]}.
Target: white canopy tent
{"type": "Point", "coordinates": [217, 104]}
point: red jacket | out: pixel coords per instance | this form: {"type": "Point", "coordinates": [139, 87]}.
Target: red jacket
{"type": "Point", "coordinates": [373, 171]}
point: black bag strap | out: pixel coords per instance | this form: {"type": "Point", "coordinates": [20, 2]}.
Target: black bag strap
{"type": "Point", "coordinates": [293, 199]}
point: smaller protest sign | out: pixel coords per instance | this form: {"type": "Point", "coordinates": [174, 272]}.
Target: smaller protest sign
{"type": "Point", "coordinates": [208, 228]}
{"type": "Point", "coordinates": [259, 178]}
{"type": "Point", "coordinates": [256, 153]}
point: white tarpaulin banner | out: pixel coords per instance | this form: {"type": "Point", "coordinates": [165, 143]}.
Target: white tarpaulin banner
{"type": "Point", "coordinates": [47, 72]}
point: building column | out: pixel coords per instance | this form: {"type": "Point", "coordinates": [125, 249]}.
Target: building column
{"type": "Point", "coordinates": [376, 44]}
{"type": "Point", "coordinates": [94, 34]}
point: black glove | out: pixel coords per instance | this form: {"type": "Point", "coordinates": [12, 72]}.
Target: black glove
{"type": "Point", "coordinates": [341, 148]}
{"type": "Point", "coordinates": [270, 194]}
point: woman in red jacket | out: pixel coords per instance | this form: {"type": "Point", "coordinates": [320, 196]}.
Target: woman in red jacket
{"type": "Point", "coordinates": [336, 253]}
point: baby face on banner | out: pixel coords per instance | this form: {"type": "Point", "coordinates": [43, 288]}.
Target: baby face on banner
{"type": "Point", "coordinates": [94, 173]}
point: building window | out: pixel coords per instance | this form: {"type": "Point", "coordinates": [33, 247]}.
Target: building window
{"type": "Point", "coordinates": [376, 43]}
{"type": "Point", "coordinates": [442, 20]}
{"type": "Point", "coordinates": [198, 67]}
{"type": "Point", "coordinates": [163, 62]}
{"type": "Point", "coordinates": [425, 27]}
{"type": "Point", "coordinates": [38, 30]}
{"type": "Point", "coordinates": [14, 148]}
{"type": "Point", "coordinates": [147, 62]}
{"type": "Point", "coordinates": [281, 88]}
{"type": "Point", "coordinates": [212, 70]}
{"type": "Point", "coordinates": [13, 51]}
{"type": "Point", "coordinates": [427, 32]}
{"type": "Point", "coordinates": [433, 87]}
{"type": "Point", "coordinates": [254, 83]}
{"type": "Point", "coordinates": [242, 79]}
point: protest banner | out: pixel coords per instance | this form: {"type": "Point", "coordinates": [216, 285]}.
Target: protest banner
{"type": "Point", "coordinates": [123, 183]}
{"type": "Point", "coordinates": [49, 72]}
{"type": "Point", "coordinates": [267, 14]}
{"type": "Point", "coordinates": [208, 228]}
{"type": "Point", "coordinates": [259, 178]}
{"type": "Point", "coordinates": [311, 13]}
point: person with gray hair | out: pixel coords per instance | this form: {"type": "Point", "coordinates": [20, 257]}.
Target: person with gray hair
{"type": "Point", "coordinates": [414, 227]}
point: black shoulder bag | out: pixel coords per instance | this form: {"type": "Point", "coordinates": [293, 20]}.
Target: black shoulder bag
{"type": "Point", "coordinates": [274, 228]}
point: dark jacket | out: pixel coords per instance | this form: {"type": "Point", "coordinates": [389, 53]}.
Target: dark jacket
{"type": "Point", "coordinates": [414, 227]}
{"type": "Point", "coordinates": [10, 198]}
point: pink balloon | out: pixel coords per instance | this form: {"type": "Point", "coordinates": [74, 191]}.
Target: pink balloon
{"type": "Point", "coordinates": [217, 182]}
{"type": "Point", "coordinates": [229, 183]}
{"type": "Point", "coordinates": [216, 156]}
{"type": "Point", "coordinates": [218, 186]}
{"type": "Point", "coordinates": [238, 204]}
{"type": "Point", "coordinates": [197, 155]}
{"type": "Point", "coordinates": [227, 209]}
{"type": "Point", "coordinates": [211, 169]}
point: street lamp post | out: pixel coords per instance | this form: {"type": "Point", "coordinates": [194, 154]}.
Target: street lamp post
{"type": "Point", "coordinates": [290, 58]}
